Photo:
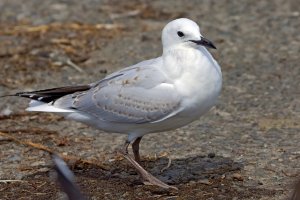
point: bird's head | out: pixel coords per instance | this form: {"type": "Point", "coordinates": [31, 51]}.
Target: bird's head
{"type": "Point", "coordinates": [184, 32]}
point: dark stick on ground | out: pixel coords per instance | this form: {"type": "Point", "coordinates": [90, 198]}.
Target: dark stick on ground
{"type": "Point", "coordinates": [66, 179]}
{"type": "Point", "coordinates": [296, 193]}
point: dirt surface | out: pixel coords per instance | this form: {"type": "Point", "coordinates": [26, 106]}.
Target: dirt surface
{"type": "Point", "coordinates": [247, 147]}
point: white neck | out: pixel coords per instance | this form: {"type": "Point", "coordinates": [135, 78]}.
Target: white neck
{"type": "Point", "coordinates": [193, 59]}
{"type": "Point", "coordinates": [176, 57]}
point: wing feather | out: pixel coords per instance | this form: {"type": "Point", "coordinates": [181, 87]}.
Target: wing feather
{"type": "Point", "coordinates": [136, 95]}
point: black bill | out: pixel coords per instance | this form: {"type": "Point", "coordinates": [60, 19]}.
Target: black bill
{"type": "Point", "coordinates": [204, 42]}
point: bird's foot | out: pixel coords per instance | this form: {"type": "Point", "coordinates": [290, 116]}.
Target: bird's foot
{"type": "Point", "coordinates": [148, 179]}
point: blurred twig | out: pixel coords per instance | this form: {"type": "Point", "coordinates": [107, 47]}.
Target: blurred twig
{"type": "Point", "coordinates": [45, 28]}
{"type": "Point", "coordinates": [168, 165]}
{"type": "Point", "coordinates": [9, 181]}
{"type": "Point", "coordinates": [63, 59]}
{"type": "Point", "coordinates": [47, 149]}
{"type": "Point", "coordinates": [14, 115]}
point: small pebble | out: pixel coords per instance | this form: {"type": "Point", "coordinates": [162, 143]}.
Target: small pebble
{"type": "Point", "coordinates": [103, 71]}
{"type": "Point", "coordinates": [211, 155]}
{"type": "Point", "coordinates": [237, 176]}
{"type": "Point", "coordinates": [205, 181]}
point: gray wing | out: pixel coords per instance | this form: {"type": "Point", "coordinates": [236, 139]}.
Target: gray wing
{"type": "Point", "coordinates": [138, 94]}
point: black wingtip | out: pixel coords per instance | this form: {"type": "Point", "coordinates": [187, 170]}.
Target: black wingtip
{"type": "Point", "coordinates": [19, 94]}
{"type": "Point", "coordinates": [50, 95]}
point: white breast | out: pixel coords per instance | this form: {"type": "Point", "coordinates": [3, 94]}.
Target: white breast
{"type": "Point", "coordinates": [200, 81]}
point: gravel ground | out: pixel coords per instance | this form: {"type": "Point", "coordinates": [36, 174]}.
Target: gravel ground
{"type": "Point", "coordinates": [247, 147]}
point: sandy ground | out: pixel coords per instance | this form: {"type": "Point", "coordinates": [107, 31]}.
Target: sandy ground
{"type": "Point", "coordinates": [247, 147]}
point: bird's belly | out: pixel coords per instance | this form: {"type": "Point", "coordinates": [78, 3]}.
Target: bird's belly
{"type": "Point", "coordinates": [129, 128]}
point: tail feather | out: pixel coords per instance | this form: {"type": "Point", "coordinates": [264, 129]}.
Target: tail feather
{"type": "Point", "coordinates": [43, 100]}
{"type": "Point", "coordinates": [49, 95]}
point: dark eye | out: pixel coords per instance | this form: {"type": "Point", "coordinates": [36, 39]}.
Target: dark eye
{"type": "Point", "coordinates": [180, 34]}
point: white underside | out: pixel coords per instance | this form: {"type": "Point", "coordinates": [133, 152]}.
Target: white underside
{"type": "Point", "coordinates": [38, 106]}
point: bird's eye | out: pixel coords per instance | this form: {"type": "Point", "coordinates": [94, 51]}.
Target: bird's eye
{"type": "Point", "coordinates": [180, 34]}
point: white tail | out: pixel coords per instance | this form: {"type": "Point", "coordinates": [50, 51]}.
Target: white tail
{"type": "Point", "coordinates": [39, 106]}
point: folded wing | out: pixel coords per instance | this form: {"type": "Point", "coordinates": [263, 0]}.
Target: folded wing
{"type": "Point", "coordinates": [138, 95]}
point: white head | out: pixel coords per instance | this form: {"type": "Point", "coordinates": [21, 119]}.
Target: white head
{"type": "Point", "coordinates": [183, 32]}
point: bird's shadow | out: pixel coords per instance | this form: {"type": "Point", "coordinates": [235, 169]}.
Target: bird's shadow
{"type": "Point", "coordinates": [193, 168]}
{"type": "Point", "coordinates": [180, 170]}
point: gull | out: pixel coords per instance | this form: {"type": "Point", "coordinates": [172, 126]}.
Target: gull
{"type": "Point", "coordinates": [152, 96]}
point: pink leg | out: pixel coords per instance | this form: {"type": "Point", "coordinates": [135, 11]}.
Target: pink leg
{"type": "Point", "coordinates": [146, 176]}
